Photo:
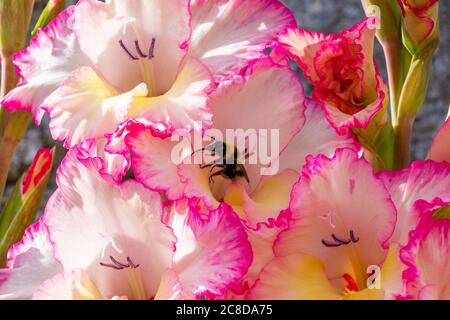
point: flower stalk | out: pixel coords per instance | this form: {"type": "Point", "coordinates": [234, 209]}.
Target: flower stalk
{"type": "Point", "coordinates": [15, 18]}
{"type": "Point", "coordinates": [409, 34]}
{"type": "Point", "coordinates": [389, 36]}
{"type": "Point", "coordinates": [403, 134]}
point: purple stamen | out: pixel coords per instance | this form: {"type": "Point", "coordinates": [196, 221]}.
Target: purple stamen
{"type": "Point", "coordinates": [138, 49]}
{"type": "Point", "coordinates": [340, 240]}
{"type": "Point", "coordinates": [131, 264]}
{"type": "Point", "coordinates": [117, 265]}
{"type": "Point", "coordinates": [127, 51]}
{"type": "Point", "coordinates": [328, 244]}
{"type": "Point", "coordinates": [352, 237]}
{"type": "Point", "coordinates": [110, 266]}
{"type": "Point", "coordinates": [152, 49]}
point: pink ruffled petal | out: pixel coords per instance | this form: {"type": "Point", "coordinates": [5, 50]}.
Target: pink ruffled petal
{"type": "Point", "coordinates": [302, 46]}
{"type": "Point", "coordinates": [184, 106]}
{"type": "Point", "coordinates": [227, 34]}
{"type": "Point", "coordinates": [51, 56]}
{"type": "Point", "coordinates": [152, 161]}
{"type": "Point", "coordinates": [440, 150]}
{"type": "Point", "coordinates": [211, 254]}
{"type": "Point", "coordinates": [331, 219]}
{"type": "Point", "coordinates": [94, 222]}
{"type": "Point", "coordinates": [316, 137]}
{"type": "Point", "coordinates": [30, 263]}
{"type": "Point", "coordinates": [427, 257]}
{"type": "Point", "coordinates": [342, 120]}
{"type": "Point", "coordinates": [68, 285]}
{"type": "Point", "coordinates": [265, 203]}
{"type": "Point", "coordinates": [261, 239]}
{"type": "Point", "coordinates": [113, 164]}
{"type": "Point", "coordinates": [342, 70]}
{"type": "Point", "coordinates": [86, 107]}
{"type": "Point", "coordinates": [196, 184]}
{"type": "Point", "coordinates": [422, 180]}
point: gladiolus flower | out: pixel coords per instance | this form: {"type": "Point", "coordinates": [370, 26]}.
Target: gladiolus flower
{"type": "Point", "coordinates": [30, 263]}
{"type": "Point", "coordinates": [111, 242]}
{"type": "Point", "coordinates": [420, 181]}
{"type": "Point", "coordinates": [98, 64]}
{"type": "Point", "coordinates": [337, 247]}
{"type": "Point", "coordinates": [342, 69]}
{"type": "Point", "coordinates": [268, 97]}
{"type": "Point", "coordinates": [427, 256]}
{"type": "Point", "coordinates": [420, 19]}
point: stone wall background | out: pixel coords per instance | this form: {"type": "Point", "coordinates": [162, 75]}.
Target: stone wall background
{"type": "Point", "coordinates": [329, 16]}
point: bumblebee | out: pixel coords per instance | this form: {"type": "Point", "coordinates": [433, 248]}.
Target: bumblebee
{"type": "Point", "coordinates": [227, 161]}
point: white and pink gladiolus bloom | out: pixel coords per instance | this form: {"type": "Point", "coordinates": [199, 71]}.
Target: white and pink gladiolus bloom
{"type": "Point", "coordinates": [100, 63]}
{"type": "Point", "coordinates": [267, 99]}
{"type": "Point", "coordinates": [100, 239]}
{"type": "Point", "coordinates": [154, 98]}
{"type": "Point", "coordinates": [337, 247]}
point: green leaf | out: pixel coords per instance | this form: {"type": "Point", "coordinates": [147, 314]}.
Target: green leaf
{"type": "Point", "coordinates": [22, 206]}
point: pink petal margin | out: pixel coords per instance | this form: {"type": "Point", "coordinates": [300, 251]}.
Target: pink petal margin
{"type": "Point", "coordinates": [415, 282]}
{"type": "Point", "coordinates": [224, 247]}
{"type": "Point", "coordinates": [55, 29]}
{"type": "Point", "coordinates": [314, 166]}
{"type": "Point", "coordinates": [30, 235]}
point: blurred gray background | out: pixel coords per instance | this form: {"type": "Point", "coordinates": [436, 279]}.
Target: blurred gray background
{"type": "Point", "coordinates": [329, 16]}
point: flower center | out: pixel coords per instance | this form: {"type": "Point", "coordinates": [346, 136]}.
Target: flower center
{"type": "Point", "coordinates": [144, 59]}
{"type": "Point", "coordinates": [133, 275]}
{"type": "Point", "coordinates": [351, 252]}
{"type": "Point", "coordinates": [140, 54]}
{"type": "Point", "coordinates": [119, 265]}
{"type": "Point", "coordinates": [337, 242]}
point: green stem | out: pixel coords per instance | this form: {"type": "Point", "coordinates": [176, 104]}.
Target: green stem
{"type": "Point", "coordinates": [8, 82]}
{"type": "Point", "coordinates": [392, 52]}
{"type": "Point", "coordinates": [7, 152]}
{"type": "Point", "coordinates": [12, 125]}
{"type": "Point", "coordinates": [402, 136]}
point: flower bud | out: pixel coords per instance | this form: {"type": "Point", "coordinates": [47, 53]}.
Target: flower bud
{"type": "Point", "coordinates": [51, 10]}
{"type": "Point", "coordinates": [420, 23]}
{"type": "Point", "coordinates": [22, 206]}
